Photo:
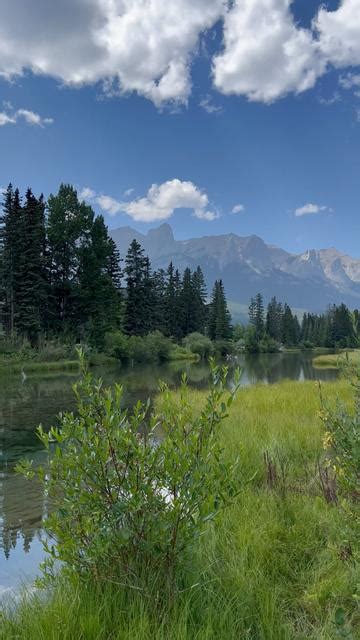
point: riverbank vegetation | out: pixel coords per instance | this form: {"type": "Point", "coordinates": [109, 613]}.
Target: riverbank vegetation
{"type": "Point", "coordinates": [63, 282]}
{"type": "Point", "coordinates": [337, 360]}
{"type": "Point", "coordinates": [281, 561]}
{"type": "Point", "coordinates": [278, 328]}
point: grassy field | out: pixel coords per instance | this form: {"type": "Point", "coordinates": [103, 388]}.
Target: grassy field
{"type": "Point", "coordinates": [276, 566]}
{"type": "Point", "coordinates": [336, 360]}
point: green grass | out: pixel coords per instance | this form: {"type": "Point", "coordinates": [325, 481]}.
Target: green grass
{"type": "Point", "coordinates": [37, 366]}
{"type": "Point", "coordinates": [337, 360]}
{"type": "Point", "coordinates": [270, 568]}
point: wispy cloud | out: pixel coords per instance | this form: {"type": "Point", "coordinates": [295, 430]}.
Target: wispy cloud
{"type": "Point", "coordinates": [311, 209]}
{"type": "Point", "coordinates": [12, 116]}
{"type": "Point", "coordinates": [207, 104]}
{"type": "Point", "coordinates": [238, 208]}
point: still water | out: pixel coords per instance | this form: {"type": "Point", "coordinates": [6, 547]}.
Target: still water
{"type": "Point", "coordinates": [39, 398]}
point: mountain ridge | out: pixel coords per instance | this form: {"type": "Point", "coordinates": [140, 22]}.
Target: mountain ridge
{"type": "Point", "coordinates": [310, 280]}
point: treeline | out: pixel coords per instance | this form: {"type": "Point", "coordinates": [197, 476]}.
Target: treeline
{"type": "Point", "coordinates": [61, 276]}
{"type": "Point", "coordinates": [338, 327]}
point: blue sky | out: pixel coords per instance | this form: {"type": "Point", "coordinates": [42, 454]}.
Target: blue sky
{"type": "Point", "coordinates": [253, 106]}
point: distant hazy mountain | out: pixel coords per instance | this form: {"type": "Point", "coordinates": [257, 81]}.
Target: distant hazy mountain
{"type": "Point", "coordinates": [247, 265]}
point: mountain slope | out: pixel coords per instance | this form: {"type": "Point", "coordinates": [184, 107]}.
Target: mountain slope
{"type": "Point", "coordinates": [311, 280]}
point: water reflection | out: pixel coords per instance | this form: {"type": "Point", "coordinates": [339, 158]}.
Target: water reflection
{"type": "Point", "coordinates": [38, 399]}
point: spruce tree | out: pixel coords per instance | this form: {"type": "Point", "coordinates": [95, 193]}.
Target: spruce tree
{"type": "Point", "coordinates": [30, 274]}
{"type": "Point", "coordinates": [256, 315]}
{"type": "Point", "coordinates": [187, 304]}
{"type": "Point", "coordinates": [10, 247]}
{"type": "Point", "coordinates": [200, 296]}
{"type": "Point", "coordinates": [69, 229]}
{"type": "Point", "coordinates": [135, 309]}
{"type": "Point", "coordinates": [219, 327]}
{"type": "Point", "coordinates": [98, 300]}
{"type": "Point", "coordinates": [274, 319]}
{"type": "Point", "coordinates": [171, 310]}
{"type": "Point", "coordinates": [114, 265]}
{"type": "Point", "coordinates": [158, 312]}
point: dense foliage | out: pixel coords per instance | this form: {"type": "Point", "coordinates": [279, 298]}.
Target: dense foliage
{"type": "Point", "coordinates": [279, 326]}
{"type": "Point", "coordinates": [342, 443]}
{"type": "Point", "coordinates": [132, 491]}
{"type": "Point", "coordinates": [61, 277]}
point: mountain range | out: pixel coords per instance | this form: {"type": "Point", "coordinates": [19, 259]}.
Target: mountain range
{"type": "Point", "coordinates": [247, 265]}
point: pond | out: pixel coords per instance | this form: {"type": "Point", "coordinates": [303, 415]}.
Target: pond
{"type": "Point", "coordinates": [24, 403]}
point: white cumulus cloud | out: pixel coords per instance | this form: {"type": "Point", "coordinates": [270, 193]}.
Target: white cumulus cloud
{"type": "Point", "coordinates": [134, 45]}
{"type": "Point", "coordinates": [265, 54]}
{"type": "Point", "coordinates": [160, 202]}
{"type": "Point", "coordinates": [310, 208]}
{"type": "Point", "coordinates": [339, 33]}
{"type": "Point", "coordinates": [147, 46]}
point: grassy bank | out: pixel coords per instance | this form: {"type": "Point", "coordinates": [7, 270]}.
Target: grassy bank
{"type": "Point", "coordinates": [336, 360]}
{"type": "Point", "coordinates": [39, 366]}
{"type": "Point", "coordinates": [276, 566]}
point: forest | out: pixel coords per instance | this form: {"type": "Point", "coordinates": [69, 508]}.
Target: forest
{"type": "Point", "coordinates": [337, 327]}
{"type": "Point", "coordinates": [62, 280]}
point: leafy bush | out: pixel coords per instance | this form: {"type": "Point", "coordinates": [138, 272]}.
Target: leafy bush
{"type": "Point", "coordinates": [198, 343]}
{"type": "Point", "coordinates": [55, 350]}
{"type": "Point", "coordinates": [223, 347]}
{"type": "Point", "coordinates": [342, 443]}
{"type": "Point", "coordinates": [117, 345]}
{"type": "Point", "coordinates": [158, 346]}
{"type": "Point", "coordinates": [306, 345]}
{"type": "Point", "coordinates": [251, 341]}
{"type": "Point", "coordinates": [132, 493]}
{"type": "Point", "coordinates": [269, 345]}
{"type": "Point", "coordinates": [151, 348]}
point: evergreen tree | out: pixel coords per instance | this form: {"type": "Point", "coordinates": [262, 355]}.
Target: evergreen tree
{"type": "Point", "coordinates": [159, 284]}
{"type": "Point", "coordinates": [113, 265]}
{"type": "Point", "coordinates": [274, 319]}
{"type": "Point", "coordinates": [187, 304]}
{"type": "Point", "coordinates": [219, 316]}
{"type": "Point", "coordinates": [256, 315]}
{"type": "Point", "coordinates": [199, 302]}
{"type": "Point", "coordinates": [178, 320]}
{"type": "Point", "coordinates": [10, 248]}
{"type": "Point", "coordinates": [290, 327]}
{"type": "Point", "coordinates": [69, 229]}
{"type": "Point", "coordinates": [30, 273]}
{"type": "Point", "coordinates": [136, 272]}
{"type": "Point", "coordinates": [340, 327]}
{"type": "Point", "coordinates": [98, 299]}
{"type": "Point", "coordinates": [171, 306]}
{"type": "Point", "coordinates": [149, 298]}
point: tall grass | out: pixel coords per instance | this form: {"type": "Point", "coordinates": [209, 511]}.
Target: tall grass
{"type": "Point", "coordinates": [271, 568]}
{"type": "Point", "coordinates": [337, 360]}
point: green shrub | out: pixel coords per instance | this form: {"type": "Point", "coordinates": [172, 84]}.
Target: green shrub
{"type": "Point", "coordinates": [269, 345]}
{"type": "Point", "coordinates": [251, 341]}
{"type": "Point", "coordinates": [306, 345]}
{"type": "Point", "coordinates": [117, 345]}
{"type": "Point", "coordinates": [198, 343]}
{"type": "Point", "coordinates": [158, 346]}
{"type": "Point", "coordinates": [342, 439]}
{"type": "Point", "coordinates": [132, 493]}
{"type": "Point", "coordinates": [223, 348]}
